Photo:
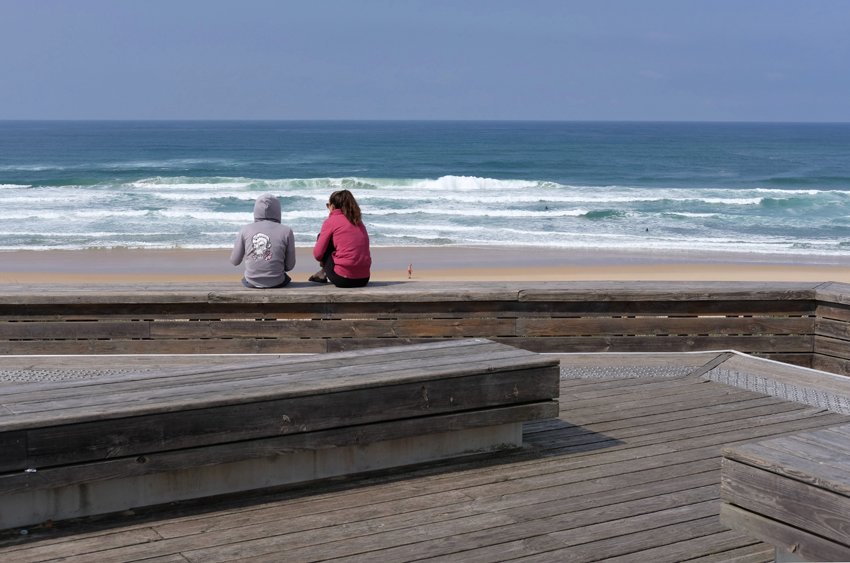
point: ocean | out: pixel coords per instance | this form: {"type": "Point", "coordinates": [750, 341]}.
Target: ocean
{"type": "Point", "coordinates": [696, 187]}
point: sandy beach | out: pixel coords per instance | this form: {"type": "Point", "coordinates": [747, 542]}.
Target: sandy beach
{"type": "Point", "coordinates": [428, 263]}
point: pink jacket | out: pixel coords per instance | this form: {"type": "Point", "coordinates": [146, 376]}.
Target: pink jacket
{"type": "Point", "coordinates": [351, 243]}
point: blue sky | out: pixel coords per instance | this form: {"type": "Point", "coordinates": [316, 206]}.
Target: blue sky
{"type": "Point", "coordinates": [679, 60]}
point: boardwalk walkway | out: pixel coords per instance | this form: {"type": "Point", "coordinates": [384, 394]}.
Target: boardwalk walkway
{"type": "Point", "coordinates": [630, 471]}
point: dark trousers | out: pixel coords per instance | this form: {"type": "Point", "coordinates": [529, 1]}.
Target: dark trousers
{"type": "Point", "coordinates": [284, 283]}
{"type": "Point", "coordinates": [333, 277]}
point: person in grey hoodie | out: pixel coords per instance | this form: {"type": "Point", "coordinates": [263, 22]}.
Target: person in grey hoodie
{"type": "Point", "coordinates": [267, 247]}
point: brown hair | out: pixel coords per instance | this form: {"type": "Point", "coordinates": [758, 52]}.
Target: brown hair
{"type": "Point", "coordinates": [345, 202]}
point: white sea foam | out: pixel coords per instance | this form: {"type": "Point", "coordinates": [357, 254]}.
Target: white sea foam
{"type": "Point", "coordinates": [159, 212]}
{"type": "Point", "coordinates": [689, 214]}
{"type": "Point", "coordinates": [470, 183]}
{"type": "Point", "coordinates": [231, 217]}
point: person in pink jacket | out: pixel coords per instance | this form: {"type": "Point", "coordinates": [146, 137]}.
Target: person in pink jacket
{"type": "Point", "coordinates": [343, 244]}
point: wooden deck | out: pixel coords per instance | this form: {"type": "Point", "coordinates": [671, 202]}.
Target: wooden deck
{"type": "Point", "coordinates": [630, 471]}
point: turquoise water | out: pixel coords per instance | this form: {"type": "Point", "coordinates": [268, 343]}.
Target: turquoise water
{"type": "Point", "coordinates": [763, 188]}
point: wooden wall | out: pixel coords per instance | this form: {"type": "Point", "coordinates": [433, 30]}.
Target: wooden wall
{"type": "Point", "coordinates": [832, 329]}
{"type": "Point", "coordinates": [800, 323]}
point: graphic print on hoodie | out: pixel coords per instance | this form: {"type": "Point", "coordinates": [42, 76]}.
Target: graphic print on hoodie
{"type": "Point", "coordinates": [261, 247]}
{"type": "Point", "coordinates": [267, 246]}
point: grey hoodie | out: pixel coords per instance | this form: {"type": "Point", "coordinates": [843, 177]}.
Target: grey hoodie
{"type": "Point", "coordinates": [267, 247]}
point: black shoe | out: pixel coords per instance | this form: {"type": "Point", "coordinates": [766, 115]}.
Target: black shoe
{"type": "Point", "coordinates": [319, 277]}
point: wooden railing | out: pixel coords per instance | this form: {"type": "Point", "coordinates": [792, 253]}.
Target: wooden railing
{"type": "Point", "coordinates": [805, 324]}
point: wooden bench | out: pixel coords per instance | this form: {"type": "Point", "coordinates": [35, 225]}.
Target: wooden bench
{"type": "Point", "coordinates": [793, 492]}
{"type": "Point", "coordinates": [104, 444]}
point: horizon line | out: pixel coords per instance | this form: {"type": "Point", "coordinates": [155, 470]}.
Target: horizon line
{"type": "Point", "coordinates": [395, 120]}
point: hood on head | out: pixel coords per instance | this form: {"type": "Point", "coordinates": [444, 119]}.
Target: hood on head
{"type": "Point", "coordinates": [267, 208]}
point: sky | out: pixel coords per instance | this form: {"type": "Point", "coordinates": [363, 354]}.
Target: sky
{"type": "Point", "coordinates": [647, 60]}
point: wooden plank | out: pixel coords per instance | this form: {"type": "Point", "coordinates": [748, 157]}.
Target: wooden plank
{"type": "Point", "coordinates": [107, 438]}
{"type": "Point", "coordinates": [642, 427]}
{"type": "Point", "coordinates": [618, 386]}
{"type": "Point", "coordinates": [445, 492]}
{"type": "Point", "coordinates": [253, 371]}
{"type": "Point", "coordinates": [259, 385]}
{"type": "Point", "coordinates": [833, 312]}
{"type": "Point", "coordinates": [719, 404]}
{"type": "Point", "coordinates": [391, 545]}
{"type": "Point", "coordinates": [86, 545]}
{"type": "Point", "coordinates": [759, 552]}
{"type": "Point", "coordinates": [235, 385]}
{"type": "Point", "coordinates": [844, 436]}
{"type": "Point", "coordinates": [622, 537]}
{"type": "Point", "coordinates": [831, 364]}
{"type": "Point", "coordinates": [645, 385]}
{"type": "Point", "coordinates": [164, 460]}
{"type": "Point", "coordinates": [675, 290]}
{"type": "Point", "coordinates": [293, 377]}
{"type": "Point", "coordinates": [720, 543]}
{"type": "Point", "coordinates": [359, 328]}
{"type": "Point", "coordinates": [703, 436]}
{"type": "Point", "coordinates": [686, 411]}
{"type": "Point", "coordinates": [836, 348]}
{"type": "Point", "coordinates": [791, 502]}
{"type": "Point", "coordinates": [804, 457]}
{"type": "Point", "coordinates": [832, 328]}
{"type": "Point", "coordinates": [628, 492]}
{"type": "Point", "coordinates": [829, 447]}
{"type": "Point", "coordinates": [227, 292]}
{"type": "Point", "coordinates": [678, 430]}
{"type": "Point", "coordinates": [747, 344]}
{"type": "Point", "coordinates": [536, 327]}
{"type": "Point", "coordinates": [572, 523]}
{"type": "Point", "coordinates": [306, 368]}
{"type": "Point", "coordinates": [833, 292]}
{"type": "Point", "coordinates": [792, 540]}
{"type": "Point", "coordinates": [663, 392]}
{"type": "Point", "coordinates": [422, 303]}
{"type": "Point", "coordinates": [152, 313]}
{"type": "Point", "coordinates": [70, 330]}
{"type": "Point", "coordinates": [182, 346]}
{"type": "Point", "coordinates": [13, 446]}
{"type": "Point", "coordinates": [803, 359]}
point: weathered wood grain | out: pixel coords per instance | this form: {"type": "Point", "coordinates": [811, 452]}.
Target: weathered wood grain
{"type": "Point", "coordinates": [65, 437]}
{"type": "Point", "coordinates": [832, 328]}
{"type": "Point", "coordinates": [664, 326]}
{"type": "Point", "coordinates": [792, 491]}
{"type": "Point", "coordinates": [799, 323]}
{"type": "Point", "coordinates": [792, 540]}
{"type": "Point", "coordinates": [121, 465]}
{"type": "Point", "coordinates": [779, 497]}
{"type": "Point", "coordinates": [72, 330]}
{"type": "Point", "coordinates": [188, 370]}
{"type": "Point", "coordinates": [611, 343]}
{"type": "Point", "coordinates": [483, 510]}
{"type": "Point", "coordinates": [820, 458]}
{"type": "Point", "coordinates": [261, 384]}
{"type": "Point", "coordinates": [114, 437]}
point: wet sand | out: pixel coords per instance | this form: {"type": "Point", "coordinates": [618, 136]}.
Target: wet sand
{"type": "Point", "coordinates": [428, 263]}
